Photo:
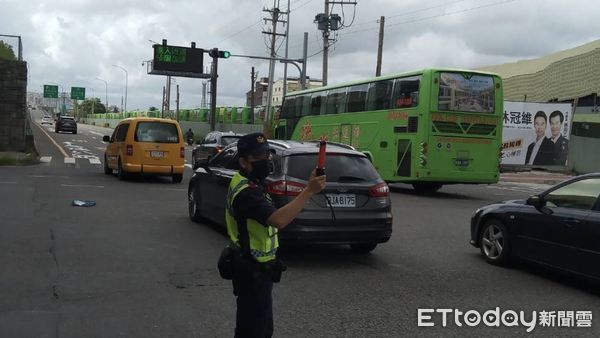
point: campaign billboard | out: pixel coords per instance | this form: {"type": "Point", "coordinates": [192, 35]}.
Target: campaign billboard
{"type": "Point", "coordinates": [536, 134]}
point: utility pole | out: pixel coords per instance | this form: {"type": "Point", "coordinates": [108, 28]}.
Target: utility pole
{"type": "Point", "coordinates": [168, 97]}
{"type": "Point", "coordinates": [162, 111]}
{"type": "Point", "coordinates": [253, 81]}
{"type": "Point", "coordinates": [380, 46]}
{"type": "Point", "coordinates": [328, 21]}
{"type": "Point", "coordinates": [213, 93]}
{"type": "Point", "coordinates": [287, 39]}
{"type": "Point", "coordinates": [275, 12]}
{"type": "Point", "coordinates": [177, 109]}
{"type": "Point", "coordinates": [326, 45]}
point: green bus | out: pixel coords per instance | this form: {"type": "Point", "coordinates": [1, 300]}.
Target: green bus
{"type": "Point", "coordinates": [427, 128]}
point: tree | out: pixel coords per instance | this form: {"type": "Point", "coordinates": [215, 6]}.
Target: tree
{"type": "Point", "coordinates": [6, 52]}
{"type": "Point", "coordinates": [86, 106]}
{"type": "Point", "coordinates": [153, 109]}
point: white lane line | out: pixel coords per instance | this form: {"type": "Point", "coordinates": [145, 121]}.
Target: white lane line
{"type": "Point", "coordinates": [168, 189]}
{"type": "Point", "coordinates": [69, 160]}
{"type": "Point", "coordinates": [95, 161]}
{"type": "Point", "coordinates": [8, 182]}
{"type": "Point", "coordinates": [101, 148]}
{"type": "Point", "coordinates": [188, 165]}
{"type": "Point", "coordinates": [94, 137]}
{"type": "Point", "coordinates": [81, 186]}
{"type": "Point", "coordinates": [97, 134]}
{"type": "Point", "coordinates": [45, 159]}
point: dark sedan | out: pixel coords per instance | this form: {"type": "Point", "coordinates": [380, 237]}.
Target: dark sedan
{"type": "Point", "coordinates": [353, 209]}
{"type": "Point", "coordinates": [65, 123]}
{"type": "Point", "coordinates": [559, 228]}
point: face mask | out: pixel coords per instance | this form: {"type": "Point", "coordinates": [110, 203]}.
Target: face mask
{"type": "Point", "coordinates": [261, 169]}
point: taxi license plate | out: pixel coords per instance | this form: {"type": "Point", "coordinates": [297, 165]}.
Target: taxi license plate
{"type": "Point", "coordinates": [342, 200]}
{"type": "Point", "coordinates": [461, 163]}
{"type": "Point", "coordinates": [157, 154]}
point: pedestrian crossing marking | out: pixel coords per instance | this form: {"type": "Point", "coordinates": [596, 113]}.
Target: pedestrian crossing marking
{"type": "Point", "coordinates": [69, 160]}
{"type": "Point", "coordinates": [46, 159]}
{"type": "Point", "coordinates": [95, 161]}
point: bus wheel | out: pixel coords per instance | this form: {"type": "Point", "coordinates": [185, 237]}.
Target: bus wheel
{"type": "Point", "coordinates": [426, 187]}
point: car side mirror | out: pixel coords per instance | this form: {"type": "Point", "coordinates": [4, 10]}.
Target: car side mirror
{"type": "Point", "coordinates": [536, 201]}
{"type": "Point", "coordinates": [106, 138]}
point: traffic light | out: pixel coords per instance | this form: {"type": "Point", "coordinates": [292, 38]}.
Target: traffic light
{"type": "Point", "coordinates": [216, 53]}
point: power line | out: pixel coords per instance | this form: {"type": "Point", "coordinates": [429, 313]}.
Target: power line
{"type": "Point", "coordinates": [432, 17]}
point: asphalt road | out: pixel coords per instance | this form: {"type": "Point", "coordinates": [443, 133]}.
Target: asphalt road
{"type": "Point", "coordinates": [134, 265]}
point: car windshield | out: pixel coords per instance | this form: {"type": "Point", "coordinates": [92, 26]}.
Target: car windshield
{"type": "Point", "coordinates": [158, 132]}
{"type": "Point", "coordinates": [227, 140]}
{"type": "Point", "coordinates": [338, 167]}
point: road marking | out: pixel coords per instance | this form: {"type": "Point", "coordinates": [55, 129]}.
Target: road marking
{"type": "Point", "coordinates": [188, 165]}
{"type": "Point", "coordinates": [94, 137]}
{"type": "Point", "coordinates": [97, 134]}
{"type": "Point", "coordinates": [56, 144]}
{"type": "Point", "coordinates": [45, 159]}
{"type": "Point", "coordinates": [95, 161]}
{"type": "Point", "coordinates": [8, 182]}
{"type": "Point", "coordinates": [69, 160]}
{"type": "Point", "coordinates": [81, 186]}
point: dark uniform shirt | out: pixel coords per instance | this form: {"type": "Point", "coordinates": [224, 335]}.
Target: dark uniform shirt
{"type": "Point", "coordinates": [251, 203]}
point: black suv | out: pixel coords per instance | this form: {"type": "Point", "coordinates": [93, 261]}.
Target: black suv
{"type": "Point", "coordinates": [213, 143]}
{"type": "Point", "coordinates": [354, 208]}
{"type": "Point", "coordinates": [65, 123]}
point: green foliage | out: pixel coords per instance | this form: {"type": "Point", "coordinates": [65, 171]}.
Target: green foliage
{"type": "Point", "coordinates": [86, 106]}
{"type": "Point", "coordinates": [6, 52]}
{"type": "Point", "coordinates": [152, 109]}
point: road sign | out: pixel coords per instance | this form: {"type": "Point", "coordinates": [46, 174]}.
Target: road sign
{"type": "Point", "coordinates": [77, 93]}
{"type": "Point", "coordinates": [177, 61]}
{"type": "Point", "coordinates": [51, 91]}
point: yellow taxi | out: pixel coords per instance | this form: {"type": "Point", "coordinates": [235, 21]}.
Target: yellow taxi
{"type": "Point", "coordinates": [144, 145]}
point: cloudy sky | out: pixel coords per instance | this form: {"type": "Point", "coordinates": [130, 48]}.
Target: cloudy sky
{"type": "Point", "coordinates": [72, 42]}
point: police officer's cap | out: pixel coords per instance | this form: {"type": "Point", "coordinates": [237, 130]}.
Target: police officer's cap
{"type": "Point", "coordinates": [253, 144]}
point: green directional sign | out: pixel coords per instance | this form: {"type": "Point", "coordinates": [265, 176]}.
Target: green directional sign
{"type": "Point", "coordinates": [51, 91]}
{"type": "Point", "coordinates": [77, 93]}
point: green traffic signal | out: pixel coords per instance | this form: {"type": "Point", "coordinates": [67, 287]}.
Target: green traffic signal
{"type": "Point", "coordinates": [225, 54]}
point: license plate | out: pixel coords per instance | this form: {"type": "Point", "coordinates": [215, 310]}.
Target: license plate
{"type": "Point", "coordinates": [461, 163]}
{"type": "Point", "coordinates": [342, 200]}
{"type": "Point", "coordinates": [157, 154]}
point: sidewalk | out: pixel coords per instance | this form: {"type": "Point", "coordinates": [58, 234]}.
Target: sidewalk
{"type": "Point", "coordinates": [534, 176]}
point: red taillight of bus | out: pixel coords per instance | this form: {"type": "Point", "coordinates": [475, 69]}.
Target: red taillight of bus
{"type": "Point", "coordinates": [380, 190]}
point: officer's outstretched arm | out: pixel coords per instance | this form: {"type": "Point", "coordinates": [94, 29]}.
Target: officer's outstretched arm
{"type": "Point", "coordinates": [286, 214]}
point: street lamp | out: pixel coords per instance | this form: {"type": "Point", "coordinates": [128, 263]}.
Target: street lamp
{"type": "Point", "coordinates": [105, 93]}
{"type": "Point", "coordinates": [126, 76]}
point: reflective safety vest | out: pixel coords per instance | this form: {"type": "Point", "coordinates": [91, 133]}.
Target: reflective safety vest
{"type": "Point", "coordinates": [263, 239]}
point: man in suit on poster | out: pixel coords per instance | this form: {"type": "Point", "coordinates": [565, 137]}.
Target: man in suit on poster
{"type": "Point", "coordinates": [541, 151]}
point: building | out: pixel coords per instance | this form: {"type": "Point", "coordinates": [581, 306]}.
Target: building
{"type": "Point", "coordinates": [260, 93]}
{"type": "Point", "coordinates": [261, 87]}
{"type": "Point", "coordinates": [558, 77]}
{"type": "Point", "coordinates": [293, 84]}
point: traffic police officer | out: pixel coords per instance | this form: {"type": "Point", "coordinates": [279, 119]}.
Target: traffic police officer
{"type": "Point", "coordinates": [252, 224]}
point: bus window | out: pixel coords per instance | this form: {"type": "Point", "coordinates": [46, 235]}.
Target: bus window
{"type": "Point", "coordinates": [303, 103]}
{"type": "Point", "coordinates": [317, 102]}
{"type": "Point", "coordinates": [288, 107]}
{"type": "Point", "coordinates": [357, 97]}
{"type": "Point", "coordinates": [406, 92]}
{"type": "Point", "coordinates": [336, 101]}
{"type": "Point", "coordinates": [379, 95]}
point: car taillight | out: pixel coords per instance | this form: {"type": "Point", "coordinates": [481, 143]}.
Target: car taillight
{"type": "Point", "coordinates": [285, 188]}
{"type": "Point", "coordinates": [182, 152]}
{"type": "Point", "coordinates": [129, 150]}
{"type": "Point", "coordinates": [219, 149]}
{"type": "Point", "coordinates": [380, 190]}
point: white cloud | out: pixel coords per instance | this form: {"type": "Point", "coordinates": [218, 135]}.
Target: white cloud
{"type": "Point", "coordinates": [72, 42]}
